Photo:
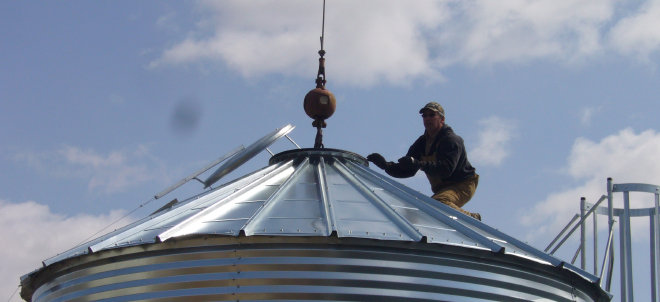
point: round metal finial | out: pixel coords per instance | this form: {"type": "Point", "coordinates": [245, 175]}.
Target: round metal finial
{"type": "Point", "coordinates": [320, 103]}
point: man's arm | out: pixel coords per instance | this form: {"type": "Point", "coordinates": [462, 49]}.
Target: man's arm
{"type": "Point", "coordinates": [391, 168]}
{"type": "Point", "coordinates": [400, 169]}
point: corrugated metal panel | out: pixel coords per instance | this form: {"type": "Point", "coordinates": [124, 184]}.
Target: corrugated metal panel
{"type": "Point", "coordinates": [220, 270]}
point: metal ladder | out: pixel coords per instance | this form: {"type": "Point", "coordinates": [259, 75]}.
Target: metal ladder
{"type": "Point", "coordinates": [623, 216]}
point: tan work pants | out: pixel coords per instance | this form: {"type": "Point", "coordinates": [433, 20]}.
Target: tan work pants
{"type": "Point", "coordinates": [458, 194]}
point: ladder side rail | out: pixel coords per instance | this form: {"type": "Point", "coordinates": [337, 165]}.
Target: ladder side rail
{"type": "Point", "coordinates": [652, 240]}
{"type": "Point", "coordinates": [608, 255]}
{"type": "Point", "coordinates": [583, 235]}
{"type": "Point", "coordinates": [655, 247]}
{"type": "Point", "coordinates": [575, 217]}
{"type": "Point", "coordinates": [625, 255]}
{"type": "Point", "coordinates": [595, 242]}
{"type": "Point", "coordinates": [610, 221]}
{"type": "Point", "coordinates": [622, 258]}
{"type": "Point", "coordinates": [577, 253]}
{"type": "Point", "coordinates": [577, 225]}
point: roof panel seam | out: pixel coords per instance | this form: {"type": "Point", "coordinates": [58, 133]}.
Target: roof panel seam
{"type": "Point", "coordinates": [401, 222]}
{"type": "Point", "coordinates": [328, 210]}
{"type": "Point", "coordinates": [152, 223]}
{"type": "Point", "coordinates": [172, 232]}
{"type": "Point", "coordinates": [417, 201]}
{"type": "Point", "coordinates": [272, 200]}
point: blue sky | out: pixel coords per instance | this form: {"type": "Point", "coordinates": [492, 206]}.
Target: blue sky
{"type": "Point", "coordinates": [104, 104]}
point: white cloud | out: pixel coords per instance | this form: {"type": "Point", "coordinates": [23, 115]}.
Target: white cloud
{"type": "Point", "coordinates": [366, 41]}
{"type": "Point", "coordinates": [518, 30]}
{"type": "Point", "coordinates": [32, 233]}
{"type": "Point", "coordinates": [494, 141]}
{"type": "Point", "coordinates": [399, 42]}
{"type": "Point", "coordinates": [638, 33]}
{"type": "Point", "coordinates": [113, 172]}
{"type": "Point", "coordinates": [627, 157]}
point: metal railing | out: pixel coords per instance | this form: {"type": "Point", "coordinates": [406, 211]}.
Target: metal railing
{"type": "Point", "coordinates": [623, 216]}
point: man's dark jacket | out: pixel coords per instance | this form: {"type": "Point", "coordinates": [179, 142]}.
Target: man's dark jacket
{"type": "Point", "coordinates": [446, 162]}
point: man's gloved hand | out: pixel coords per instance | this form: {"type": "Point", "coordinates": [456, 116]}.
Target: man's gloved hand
{"type": "Point", "coordinates": [409, 161]}
{"type": "Point", "coordinates": [378, 160]}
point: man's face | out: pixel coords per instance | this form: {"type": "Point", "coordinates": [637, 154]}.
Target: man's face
{"type": "Point", "coordinates": [432, 120]}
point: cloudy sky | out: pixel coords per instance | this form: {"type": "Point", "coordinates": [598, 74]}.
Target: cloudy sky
{"type": "Point", "coordinates": [104, 104]}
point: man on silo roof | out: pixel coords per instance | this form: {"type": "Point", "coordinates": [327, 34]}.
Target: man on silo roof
{"type": "Point", "coordinates": [441, 154]}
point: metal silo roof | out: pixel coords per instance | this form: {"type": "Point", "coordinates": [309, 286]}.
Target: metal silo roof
{"type": "Point", "coordinates": [315, 192]}
{"type": "Point", "coordinates": [319, 194]}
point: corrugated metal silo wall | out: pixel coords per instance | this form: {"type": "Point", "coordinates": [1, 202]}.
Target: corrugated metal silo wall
{"type": "Point", "coordinates": [299, 268]}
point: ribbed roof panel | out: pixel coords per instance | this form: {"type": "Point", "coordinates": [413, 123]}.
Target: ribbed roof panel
{"type": "Point", "coordinates": [317, 192]}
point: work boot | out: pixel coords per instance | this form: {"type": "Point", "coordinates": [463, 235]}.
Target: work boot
{"type": "Point", "coordinates": [476, 216]}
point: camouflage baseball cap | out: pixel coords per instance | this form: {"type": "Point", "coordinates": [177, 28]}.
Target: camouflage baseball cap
{"type": "Point", "coordinates": [435, 107]}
